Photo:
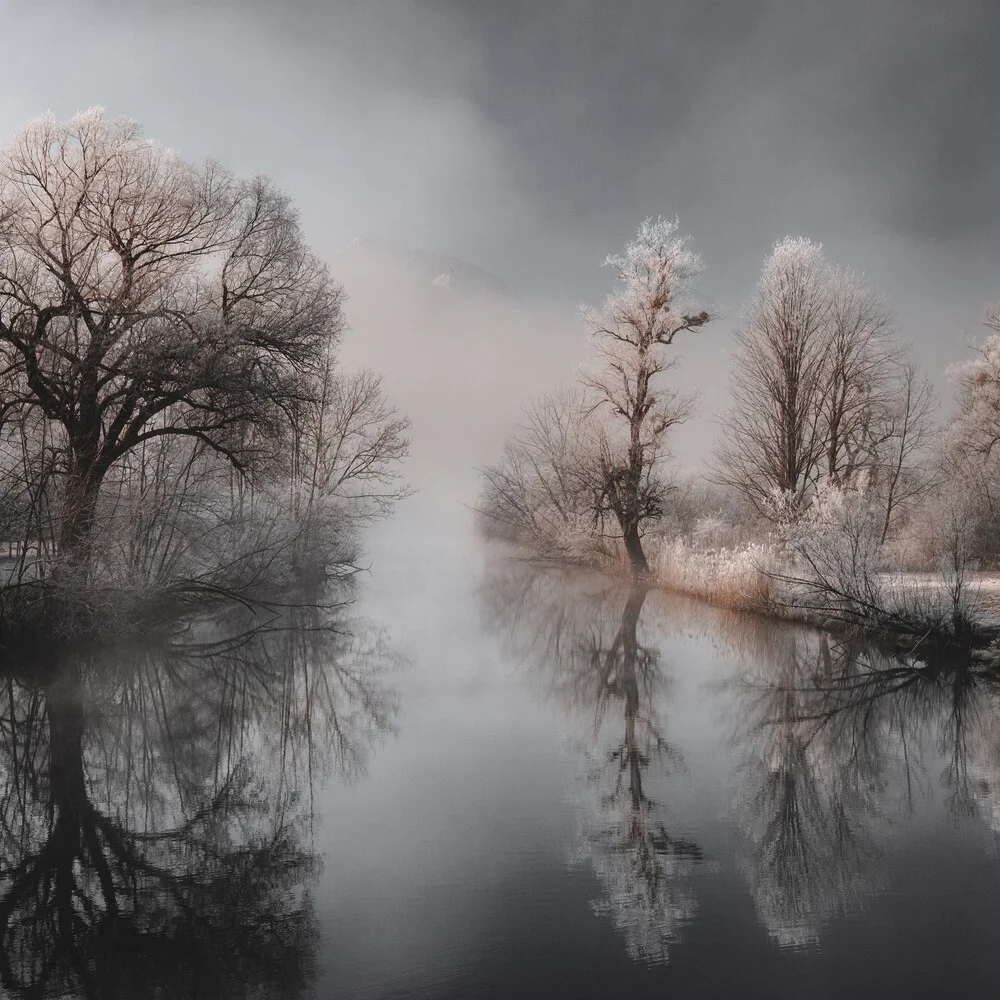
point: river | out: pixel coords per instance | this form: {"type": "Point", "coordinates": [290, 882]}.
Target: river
{"type": "Point", "coordinates": [497, 779]}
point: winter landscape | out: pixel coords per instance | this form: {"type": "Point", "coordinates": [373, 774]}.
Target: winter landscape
{"type": "Point", "coordinates": [499, 500]}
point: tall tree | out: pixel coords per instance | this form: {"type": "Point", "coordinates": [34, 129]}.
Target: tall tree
{"type": "Point", "coordinates": [862, 359]}
{"type": "Point", "coordinates": [970, 456]}
{"type": "Point", "coordinates": [142, 296]}
{"type": "Point", "coordinates": [631, 336]}
{"type": "Point", "coordinates": [974, 433]}
{"type": "Point", "coordinates": [823, 391]}
{"type": "Point", "coordinates": [773, 440]}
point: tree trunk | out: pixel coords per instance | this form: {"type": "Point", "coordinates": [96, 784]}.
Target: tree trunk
{"type": "Point", "coordinates": [633, 546]}
{"type": "Point", "coordinates": [632, 487]}
{"type": "Point", "coordinates": [77, 522]}
{"type": "Point", "coordinates": [67, 781]}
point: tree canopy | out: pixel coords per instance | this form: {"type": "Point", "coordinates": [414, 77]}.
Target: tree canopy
{"type": "Point", "coordinates": [142, 296]}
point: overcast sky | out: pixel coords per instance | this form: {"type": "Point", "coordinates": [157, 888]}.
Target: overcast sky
{"type": "Point", "coordinates": [531, 137]}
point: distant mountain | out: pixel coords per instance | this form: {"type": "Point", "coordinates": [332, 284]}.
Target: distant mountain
{"type": "Point", "coordinates": [446, 273]}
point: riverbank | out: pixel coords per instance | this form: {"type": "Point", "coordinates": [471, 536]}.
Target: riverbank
{"type": "Point", "coordinates": [910, 611]}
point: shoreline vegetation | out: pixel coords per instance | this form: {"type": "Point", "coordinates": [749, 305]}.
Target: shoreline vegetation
{"type": "Point", "coordinates": [178, 433]}
{"type": "Point", "coordinates": [186, 468]}
{"type": "Point", "coordinates": [911, 614]}
{"type": "Point", "coordinates": [833, 497]}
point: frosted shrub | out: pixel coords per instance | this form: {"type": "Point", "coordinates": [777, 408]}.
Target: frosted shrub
{"type": "Point", "coordinates": [710, 532]}
{"type": "Point", "coordinates": [838, 540]}
{"type": "Point", "coordinates": [961, 527]}
{"type": "Point", "coordinates": [782, 506]}
{"type": "Point", "coordinates": [840, 571]}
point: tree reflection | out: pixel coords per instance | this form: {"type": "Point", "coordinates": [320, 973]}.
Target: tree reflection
{"type": "Point", "coordinates": [836, 743]}
{"type": "Point", "coordinates": [806, 792]}
{"type": "Point", "coordinates": [838, 738]}
{"type": "Point", "coordinates": [583, 634]}
{"type": "Point", "coordinates": [156, 803]}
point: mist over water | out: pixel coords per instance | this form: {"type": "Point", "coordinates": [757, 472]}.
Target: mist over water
{"type": "Point", "coordinates": [559, 816]}
{"type": "Point", "coordinates": [481, 775]}
{"type": "Point", "coordinates": [259, 740]}
{"type": "Point", "coordinates": [462, 355]}
{"type": "Point", "coordinates": [516, 832]}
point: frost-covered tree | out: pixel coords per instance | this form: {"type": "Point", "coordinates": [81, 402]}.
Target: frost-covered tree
{"type": "Point", "coordinates": [590, 463]}
{"type": "Point", "coordinates": [905, 430]}
{"type": "Point", "coordinates": [970, 452]}
{"type": "Point", "coordinates": [861, 362]}
{"type": "Point", "coordinates": [143, 297]}
{"type": "Point", "coordinates": [973, 436]}
{"type": "Point", "coordinates": [347, 452]}
{"type": "Point", "coordinates": [634, 408]}
{"type": "Point", "coordinates": [822, 389]}
{"type": "Point", "coordinates": [773, 436]}
{"type": "Point", "coordinates": [540, 491]}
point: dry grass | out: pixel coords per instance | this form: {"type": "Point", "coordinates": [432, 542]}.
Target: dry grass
{"type": "Point", "coordinates": [739, 578]}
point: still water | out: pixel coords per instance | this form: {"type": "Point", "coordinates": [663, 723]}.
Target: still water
{"type": "Point", "coordinates": [486, 778]}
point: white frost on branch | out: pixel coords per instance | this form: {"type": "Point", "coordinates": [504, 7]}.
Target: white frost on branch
{"type": "Point", "coordinates": [976, 428]}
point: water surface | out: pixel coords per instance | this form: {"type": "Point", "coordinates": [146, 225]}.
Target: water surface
{"type": "Point", "coordinates": [488, 778]}
{"type": "Point", "coordinates": [599, 792]}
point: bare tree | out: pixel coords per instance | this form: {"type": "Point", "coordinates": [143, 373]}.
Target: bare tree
{"type": "Point", "coordinates": [773, 431]}
{"type": "Point", "coordinates": [349, 448]}
{"type": "Point", "coordinates": [823, 392]}
{"type": "Point", "coordinates": [631, 335]}
{"type": "Point", "coordinates": [974, 433]}
{"type": "Point", "coordinates": [539, 492]}
{"type": "Point", "coordinates": [862, 359]}
{"type": "Point", "coordinates": [969, 456]}
{"type": "Point", "coordinates": [906, 429]}
{"type": "Point", "coordinates": [143, 297]}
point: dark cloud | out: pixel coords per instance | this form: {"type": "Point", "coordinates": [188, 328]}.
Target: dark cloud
{"type": "Point", "coordinates": [881, 109]}
{"type": "Point", "coordinates": [900, 97]}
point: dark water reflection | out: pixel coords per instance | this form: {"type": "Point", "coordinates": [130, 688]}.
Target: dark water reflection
{"type": "Point", "coordinates": [156, 802]}
{"type": "Point", "coordinates": [597, 658]}
{"type": "Point", "coordinates": [837, 759]}
{"type": "Point", "coordinates": [580, 789]}
{"type": "Point", "coordinates": [837, 740]}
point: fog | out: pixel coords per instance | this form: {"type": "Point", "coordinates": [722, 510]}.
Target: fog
{"type": "Point", "coordinates": [322, 676]}
{"type": "Point", "coordinates": [530, 143]}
